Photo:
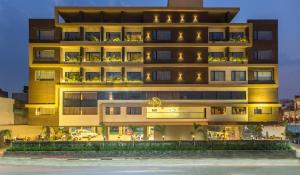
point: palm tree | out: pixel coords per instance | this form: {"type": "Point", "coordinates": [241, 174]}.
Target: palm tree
{"type": "Point", "coordinates": [200, 129]}
{"type": "Point", "coordinates": [161, 129]}
{"type": "Point", "coordinates": [6, 133]}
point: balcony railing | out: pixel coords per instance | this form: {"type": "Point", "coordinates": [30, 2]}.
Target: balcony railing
{"type": "Point", "coordinates": [234, 60]}
{"type": "Point", "coordinates": [111, 59]}
{"type": "Point", "coordinates": [73, 77]}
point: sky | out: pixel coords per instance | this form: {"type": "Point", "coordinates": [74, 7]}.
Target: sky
{"type": "Point", "coordinates": [14, 15]}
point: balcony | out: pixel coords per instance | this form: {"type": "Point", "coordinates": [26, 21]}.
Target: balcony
{"type": "Point", "coordinates": [72, 36]}
{"type": "Point", "coordinates": [135, 57]}
{"type": "Point", "coordinates": [134, 77]}
{"type": "Point", "coordinates": [113, 57]}
{"type": "Point", "coordinates": [93, 57]}
{"type": "Point", "coordinates": [73, 77]}
{"type": "Point", "coordinates": [73, 57]}
{"type": "Point", "coordinates": [113, 37]}
{"type": "Point", "coordinates": [134, 37]}
{"type": "Point", "coordinates": [92, 36]}
{"type": "Point", "coordinates": [113, 77]}
{"type": "Point", "coordinates": [92, 77]}
{"type": "Point", "coordinates": [225, 60]}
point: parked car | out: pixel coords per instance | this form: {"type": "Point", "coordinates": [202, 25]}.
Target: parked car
{"type": "Point", "coordinates": [75, 136]}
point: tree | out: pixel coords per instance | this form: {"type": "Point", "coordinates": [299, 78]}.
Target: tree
{"type": "Point", "coordinates": [161, 129]}
{"type": "Point", "coordinates": [6, 133]}
{"type": "Point", "coordinates": [200, 129]}
{"type": "Point", "coordinates": [103, 130]}
{"type": "Point", "coordinates": [256, 130]}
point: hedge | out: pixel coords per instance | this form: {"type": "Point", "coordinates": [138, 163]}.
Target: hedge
{"type": "Point", "coordinates": [149, 145]}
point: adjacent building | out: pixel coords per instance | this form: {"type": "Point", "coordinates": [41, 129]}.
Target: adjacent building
{"type": "Point", "coordinates": [153, 70]}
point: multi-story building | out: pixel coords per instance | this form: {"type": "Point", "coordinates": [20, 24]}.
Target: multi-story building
{"type": "Point", "coordinates": [141, 67]}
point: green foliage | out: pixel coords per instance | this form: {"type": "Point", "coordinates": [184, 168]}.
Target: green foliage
{"type": "Point", "coordinates": [256, 130]}
{"type": "Point", "coordinates": [238, 59]}
{"type": "Point", "coordinates": [239, 39]}
{"type": "Point", "coordinates": [6, 133]}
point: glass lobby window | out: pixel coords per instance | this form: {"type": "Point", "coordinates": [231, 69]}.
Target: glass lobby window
{"type": "Point", "coordinates": [113, 36]}
{"type": "Point", "coordinates": [113, 76]}
{"type": "Point", "coordinates": [239, 110]}
{"type": "Point", "coordinates": [133, 36]}
{"type": "Point", "coordinates": [134, 110]}
{"type": "Point", "coordinates": [92, 36]}
{"type": "Point", "coordinates": [217, 75]}
{"type": "Point", "coordinates": [44, 75]}
{"type": "Point", "coordinates": [161, 55]}
{"type": "Point", "coordinates": [220, 110]}
{"type": "Point", "coordinates": [263, 55]}
{"type": "Point", "coordinates": [134, 76]}
{"type": "Point", "coordinates": [161, 75]}
{"type": "Point", "coordinates": [216, 36]}
{"type": "Point", "coordinates": [72, 36]}
{"type": "Point", "coordinates": [263, 110]}
{"type": "Point", "coordinates": [161, 35]}
{"type": "Point", "coordinates": [112, 110]}
{"type": "Point", "coordinates": [45, 34]}
{"type": "Point", "coordinates": [134, 56]}
{"type": "Point", "coordinates": [92, 56]}
{"type": "Point", "coordinates": [45, 54]}
{"type": "Point", "coordinates": [238, 76]}
{"type": "Point", "coordinates": [263, 35]}
{"type": "Point", "coordinates": [263, 75]}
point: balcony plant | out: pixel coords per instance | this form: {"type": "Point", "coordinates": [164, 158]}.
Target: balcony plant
{"type": "Point", "coordinates": [212, 59]}
{"type": "Point", "coordinates": [73, 78]}
{"type": "Point", "coordinates": [74, 59]}
{"type": "Point", "coordinates": [95, 59]}
{"type": "Point", "coordinates": [94, 79]}
{"type": "Point", "coordinates": [134, 39]}
{"type": "Point", "coordinates": [238, 59]}
{"type": "Point", "coordinates": [93, 38]}
{"type": "Point", "coordinates": [239, 39]}
{"type": "Point", "coordinates": [113, 59]}
{"type": "Point", "coordinates": [114, 79]}
{"type": "Point", "coordinates": [116, 39]}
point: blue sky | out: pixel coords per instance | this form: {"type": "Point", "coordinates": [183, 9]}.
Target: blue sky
{"type": "Point", "coordinates": [14, 33]}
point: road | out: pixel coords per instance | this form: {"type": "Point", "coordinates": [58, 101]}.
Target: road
{"type": "Point", "coordinates": [27, 166]}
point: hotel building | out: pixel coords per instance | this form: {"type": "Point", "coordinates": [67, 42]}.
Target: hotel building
{"type": "Point", "coordinates": [146, 67]}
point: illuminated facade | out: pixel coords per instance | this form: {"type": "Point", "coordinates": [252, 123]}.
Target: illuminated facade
{"type": "Point", "coordinates": [103, 65]}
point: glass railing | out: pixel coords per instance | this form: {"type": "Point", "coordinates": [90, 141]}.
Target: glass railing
{"type": "Point", "coordinates": [238, 60]}
{"type": "Point", "coordinates": [92, 77]}
{"type": "Point", "coordinates": [72, 77]}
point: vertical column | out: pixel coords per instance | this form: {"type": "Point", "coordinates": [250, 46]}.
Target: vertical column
{"type": "Point", "coordinates": [123, 33]}
{"type": "Point", "coordinates": [101, 34]}
{"type": "Point", "coordinates": [145, 132]}
{"type": "Point", "coordinates": [227, 30]}
{"type": "Point", "coordinates": [227, 53]}
{"type": "Point", "coordinates": [102, 74]}
{"type": "Point", "coordinates": [123, 54]}
{"type": "Point", "coordinates": [81, 33]}
{"type": "Point", "coordinates": [123, 73]}
{"type": "Point", "coordinates": [81, 54]}
{"type": "Point", "coordinates": [102, 54]}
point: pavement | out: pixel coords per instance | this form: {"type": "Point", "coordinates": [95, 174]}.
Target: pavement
{"type": "Point", "coordinates": [297, 148]}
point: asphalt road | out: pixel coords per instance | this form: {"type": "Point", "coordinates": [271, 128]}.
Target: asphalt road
{"type": "Point", "coordinates": [14, 166]}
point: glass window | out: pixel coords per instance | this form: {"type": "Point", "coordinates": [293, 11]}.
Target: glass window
{"type": "Point", "coordinates": [45, 34]}
{"type": "Point", "coordinates": [72, 36]}
{"type": "Point", "coordinates": [134, 76]}
{"type": "Point", "coordinates": [161, 75]}
{"type": "Point", "coordinates": [216, 36]}
{"type": "Point", "coordinates": [113, 76]}
{"type": "Point", "coordinates": [263, 35]}
{"type": "Point", "coordinates": [92, 56]}
{"type": "Point", "coordinates": [134, 110]}
{"type": "Point", "coordinates": [236, 35]}
{"type": "Point", "coordinates": [238, 95]}
{"type": "Point", "coordinates": [263, 110]}
{"type": "Point", "coordinates": [134, 56]}
{"type": "Point", "coordinates": [161, 55]}
{"type": "Point", "coordinates": [239, 110]}
{"type": "Point", "coordinates": [216, 54]}
{"type": "Point", "coordinates": [217, 75]}
{"type": "Point", "coordinates": [72, 57]}
{"type": "Point", "coordinates": [113, 36]}
{"type": "Point", "coordinates": [238, 76]}
{"type": "Point", "coordinates": [92, 76]}
{"type": "Point", "coordinates": [44, 75]}
{"type": "Point", "coordinates": [263, 75]}
{"type": "Point", "coordinates": [236, 54]}
{"type": "Point", "coordinates": [223, 95]}
{"type": "Point", "coordinates": [92, 36]}
{"type": "Point", "coordinates": [112, 110]}
{"type": "Point", "coordinates": [220, 110]}
{"type": "Point", "coordinates": [133, 36]}
{"type": "Point", "coordinates": [263, 55]}
{"type": "Point", "coordinates": [162, 35]}
{"type": "Point", "coordinates": [45, 54]}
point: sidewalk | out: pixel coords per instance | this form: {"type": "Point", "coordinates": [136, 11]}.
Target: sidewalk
{"type": "Point", "coordinates": [297, 148]}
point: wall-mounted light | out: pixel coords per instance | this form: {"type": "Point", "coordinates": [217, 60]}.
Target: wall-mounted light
{"type": "Point", "coordinates": [180, 36]}
{"type": "Point", "coordinates": [148, 36]}
{"type": "Point", "coordinates": [180, 76]}
{"type": "Point", "coordinates": [156, 19]}
{"type": "Point", "coordinates": [198, 36]}
{"type": "Point", "coordinates": [199, 56]}
{"type": "Point", "coordinates": [169, 19]}
{"type": "Point", "coordinates": [148, 56]}
{"type": "Point", "coordinates": [199, 76]}
{"type": "Point", "coordinates": [195, 18]}
{"type": "Point", "coordinates": [180, 57]}
{"type": "Point", "coordinates": [148, 76]}
{"type": "Point", "coordinates": [182, 20]}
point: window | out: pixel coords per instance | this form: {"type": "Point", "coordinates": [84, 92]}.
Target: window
{"type": "Point", "coordinates": [263, 35]}
{"type": "Point", "coordinates": [45, 34]}
{"type": "Point", "coordinates": [92, 36]}
{"type": "Point", "coordinates": [45, 54]}
{"type": "Point", "coordinates": [92, 76]}
{"type": "Point", "coordinates": [80, 103]}
{"type": "Point", "coordinates": [236, 54]}
{"type": "Point", "coordinates": [239, 110]}
{"type": "Point", "coordinates": [112, 110]}
{"type": "Point", "coordinates": [217, 54]}
{"type": "Point", "coordinates": [263, 55]}
{"type": "Point", "coordinates": [113, 36]}
{"type": "Point", "coordinates": [134, 56]}
{"type": "Point", "coordinates": [92, 56]}
{"type": "Point", "coordinates": [162, 35]}
{"type": "Point", "coordinates": [44, 75]}
{"type": "Point", "coordinates": [162, 55]}
{"type": "Point", "coordinates": [238, 76]}
{"type": "Point", "coordinates": [72, 36]}
{"type": "Point", "coordinates": [113, 56]}
{"type": "Point", "coordinates": [72, 57]}
{"type": "Point", "coordinates": [217, 75]}
{"type": "Point", "coordinates": [72, 76]}
{"type": "Point", "coordinates": [263, 75]}
{"type": "Point", "coordinates": [263, 110]}
{"type": "Point", "coordinates": [133, 36]}
{"type": "Point", "coordinates": [236, 35]}
{"type": "Point", "coordinates": [216, 36]}
{"type": "Point", "coordinates": [220, 110]}
{"type": "Point", "coordinates": [113, 76]}
{"type": "Point", "coordinates": [161, 75]}
{"type": "Point", "coordinates": [134, 76]}
{"type": "Point", "coordinates": [134, 110]}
